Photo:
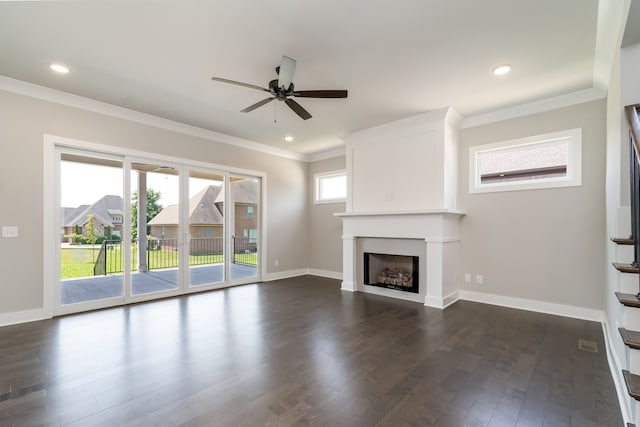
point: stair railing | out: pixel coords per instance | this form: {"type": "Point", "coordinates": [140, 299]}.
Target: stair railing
{"type": "Point", "coordinates": [631, 113]}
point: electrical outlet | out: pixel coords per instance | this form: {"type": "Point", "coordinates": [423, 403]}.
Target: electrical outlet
{"type": "Point", "coordinates": [467, 278]}
{"type": "Point", "coordinates": [479, 279]}
{"type": "Point", "coordinates": [276, 262]}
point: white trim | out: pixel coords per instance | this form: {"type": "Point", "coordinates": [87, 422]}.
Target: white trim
{"type": "Point", "coordinates": [16, 317]}
{"type": "Point", "coordinates": [348, 286]}
{"type": "Point", "coordinates": [399, 213]}
{"type": "Point", "coordinates": [611, 21]}
{"type": "Point", "coordinates": [85, 146]}
{"type": "Point", "coordinates": [269, 277]}
{"type": "Point", "coordinates": [616, 373]}
{"type": "Point", "coordinates": [441, 303]}
{"type": "Point", "coordinates": [70, 100]}
{"type": "Point", "coordinates": [329, 154]}
{"type": "Point", "coordinates": [325, 273]}
{"type": "Point", "coordinates": [262, 212]}
{"type": "Point", "coordinates": [534, 305]}
{"type": "Point", "coordinates": [50, 230]}
{"type": "Point", "coordinates": [547, 104]}
{"type": "Point", "coordinates": [284, 274]}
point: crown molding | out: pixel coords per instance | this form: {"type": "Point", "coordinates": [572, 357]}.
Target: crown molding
{"type": "Point", "coordinates": [70, 100]}
{"type": "Point", "coordinates": [566, 100]}
{"type": "Point", "coordinates": [612, 19]}
{"type": "Point", "coordinates": [329, 154]}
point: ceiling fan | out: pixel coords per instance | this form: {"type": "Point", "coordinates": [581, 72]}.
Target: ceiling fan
{"type": "Point", "coordinates": [282, 89]}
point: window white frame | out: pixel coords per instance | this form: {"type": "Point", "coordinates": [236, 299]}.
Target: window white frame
{"type": "Point", "coordinates": [317, 185]}
{"type": "Point", "coordinates": [572, 178]}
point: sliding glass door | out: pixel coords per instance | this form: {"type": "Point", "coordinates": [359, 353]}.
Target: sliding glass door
{"type": "Point", "coordinates": [244, 215]}
{"type": "Point", "coordinates": [206, 232]}
{"type": "Point", "coordinates": [91, 227]}
{"type": "Point", "coordinates": [155, 228]}
{"type": "Point", "coordinates": [133, 229]}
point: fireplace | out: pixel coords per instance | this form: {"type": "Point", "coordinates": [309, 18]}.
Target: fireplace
{"type": "Point", "coordinates": [399, 272]}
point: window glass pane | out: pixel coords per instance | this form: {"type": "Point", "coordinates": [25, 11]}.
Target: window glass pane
{"type": "Point", "coordinates": [533, 161]}
{"type": "Point", "coordinates": [332, 187]}
{"type": "Point", "coordinates": [542, 161]}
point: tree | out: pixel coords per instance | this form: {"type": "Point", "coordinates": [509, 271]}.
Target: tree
{"type": "Point", "coordinates": [90, 232]}
{"type": "Point", "coordinates": [153, 208]}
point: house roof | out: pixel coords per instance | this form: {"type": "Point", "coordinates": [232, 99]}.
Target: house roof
{"type": "Point", "coordinates": [245, 191]}
{"type": "Point", "coordinates": [206, 207]}
{"type": "Point", "coordinates": [202, 209]}
{"type": "Point", "coordinates": [100, 210]}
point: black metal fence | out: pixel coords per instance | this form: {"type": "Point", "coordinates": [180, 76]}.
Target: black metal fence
{"type": "Point", "coordinates": [245, 250]}
{"type": "Point", "coordinates": [163, 253]}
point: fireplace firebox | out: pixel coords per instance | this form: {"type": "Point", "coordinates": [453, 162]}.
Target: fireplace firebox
{"type": "Point", "coordinates": [399, 272]}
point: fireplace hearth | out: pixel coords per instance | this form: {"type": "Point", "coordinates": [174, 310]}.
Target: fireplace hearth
{"type": "Point", "coordinates": [398, 272]}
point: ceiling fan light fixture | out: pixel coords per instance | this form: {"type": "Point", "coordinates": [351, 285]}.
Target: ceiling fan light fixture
{"type": "Point", "coordinates": [59, 68]}
{"type": "Point", "coordinates": [501, 70]}
{"type": "Point", "coordinates": [288, 138]}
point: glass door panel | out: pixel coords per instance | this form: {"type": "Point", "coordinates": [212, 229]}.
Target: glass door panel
{"type": "Point", "coordinates": [206, 228]}
{"type": "Point", "coordinates": [244, 204]}
{"type": "Point", "coordinates": [91, 255]}
{"type": "Point", "coordinates": [155, 228]}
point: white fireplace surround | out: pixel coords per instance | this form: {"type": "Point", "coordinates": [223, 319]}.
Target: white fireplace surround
{"type": "Point", "coordinates": [438, 229]}
{"type": "Point", "coordinates": [402, 184]}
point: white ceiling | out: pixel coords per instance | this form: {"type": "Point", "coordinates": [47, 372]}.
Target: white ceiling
{"type": "Point", "coordinates": [397, 59]}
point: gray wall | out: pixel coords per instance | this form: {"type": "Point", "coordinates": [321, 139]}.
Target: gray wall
{"type": "Point", "coordinates": [24, 120]}
{"type": "Point", "coordinates": [547, 244]}
{"type": "Point", "coordinates": [325, 233]}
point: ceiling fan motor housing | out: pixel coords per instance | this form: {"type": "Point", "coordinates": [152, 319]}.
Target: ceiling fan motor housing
{"type": "Point", "coordinates": [280, 93]}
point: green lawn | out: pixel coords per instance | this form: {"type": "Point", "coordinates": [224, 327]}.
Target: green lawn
{"type": "Point", "coordinates": [79, 262]}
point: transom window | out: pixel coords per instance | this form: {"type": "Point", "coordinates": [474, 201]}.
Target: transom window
{"type": "Point", "coordinates": [330, 187]}
{"type": "Point", "coordinates": [542, 161]}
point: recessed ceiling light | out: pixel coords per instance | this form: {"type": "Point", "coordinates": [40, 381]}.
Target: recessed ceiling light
{"type": "Point", "coordinates": [59, 68]}
{"type": "Point", "coordinates": [288, 138]}
{"type": "Point", "coordinates": [501, 70]}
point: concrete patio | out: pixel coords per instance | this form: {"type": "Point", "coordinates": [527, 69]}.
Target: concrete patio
{"type": "Point", "coordinates": [100, 287]}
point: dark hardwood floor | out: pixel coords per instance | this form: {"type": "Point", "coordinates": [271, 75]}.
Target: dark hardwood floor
{"type": "Point", "coordinates": [300, 352]}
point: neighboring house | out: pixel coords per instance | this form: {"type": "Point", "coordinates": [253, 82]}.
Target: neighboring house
{"type": "Point", "coordinates": [107, 212]}
{"type": "Point", "coordinates": [206, 217]}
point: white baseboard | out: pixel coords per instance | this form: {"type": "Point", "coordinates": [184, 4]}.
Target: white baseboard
{"type": "Point", "coordinates": [284, 274]}
{"type": "Point", "coordinates": [16, 317]}
{"type": "Point", "coordinates": [441, 303]}
{"type": "Point", "coordinates": [301, 272]}
{"type": "Point", "coordinates": [534, 305]}
{"type": "Point", "coordinates": [616, 367]}
{"type": "Point", "coordinates": [325, 273]}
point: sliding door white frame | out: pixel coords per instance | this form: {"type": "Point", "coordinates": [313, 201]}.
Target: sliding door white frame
{"type": "Point", "coordinates": [52, 219]}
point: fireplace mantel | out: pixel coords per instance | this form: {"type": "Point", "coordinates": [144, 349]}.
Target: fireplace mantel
{"type": "Point", "coordinates": [438, 229]}
{"type": "Point", "coordinates": [401, 213]}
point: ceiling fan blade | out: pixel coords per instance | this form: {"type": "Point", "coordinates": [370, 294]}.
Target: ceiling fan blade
{"type": "Point", "coordinates": [320, 93]}
{"type": "Point", "coordinates": [286, 70]}
{"type": "Point", "coordinates": [233, 82]}
{"type": "Point", "coordinates": [257, 104]}
{"type": "Point", "coordinates": [297, 108]}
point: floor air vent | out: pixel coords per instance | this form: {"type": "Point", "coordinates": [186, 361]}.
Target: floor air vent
{"type": "Point", "coordinates": [586, 345]}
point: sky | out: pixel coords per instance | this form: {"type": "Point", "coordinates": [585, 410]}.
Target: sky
{"type": "Point", "coordinates": [85, 184]}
